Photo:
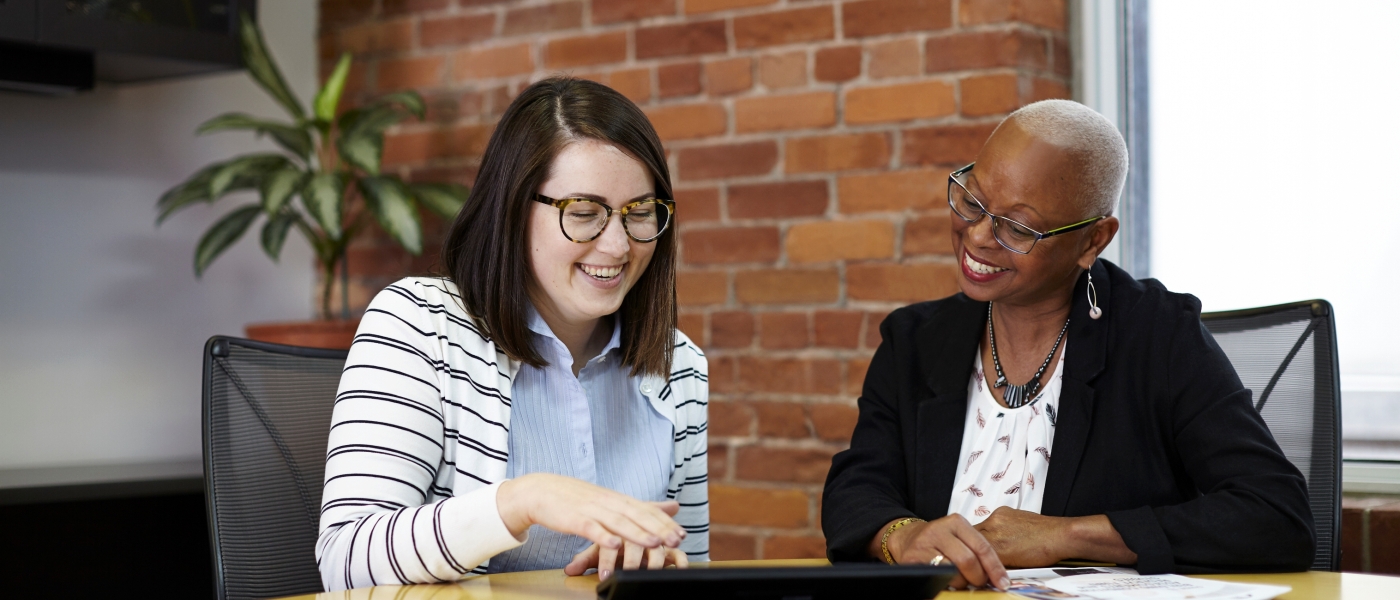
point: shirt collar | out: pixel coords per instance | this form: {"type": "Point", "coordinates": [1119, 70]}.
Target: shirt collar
{"type": "Point", "coordinates": [537, 324]}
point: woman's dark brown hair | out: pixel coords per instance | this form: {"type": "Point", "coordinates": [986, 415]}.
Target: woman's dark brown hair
{"type": "Point", "coordinates": [487, 252]}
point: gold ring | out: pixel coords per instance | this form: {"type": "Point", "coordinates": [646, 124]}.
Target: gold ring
{"type": "Point", "coordinates": [937, 560]}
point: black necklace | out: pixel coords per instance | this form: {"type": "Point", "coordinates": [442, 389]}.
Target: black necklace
{"type": "Point", "coordinates": [1017, 396]}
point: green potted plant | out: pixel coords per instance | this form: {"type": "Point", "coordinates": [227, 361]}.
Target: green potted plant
{"type": "Point", "coordinates": [325, 183]}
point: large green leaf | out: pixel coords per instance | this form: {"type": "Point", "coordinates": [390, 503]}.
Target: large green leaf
{"type": "Point", "coordinates": [408, 100]}
{"type": "Point", "coordinates": [278, 187]}
{"type": "Point", "coordinates": [274, 233]}
{"type": "Point", "coordinates": [376, 117]}
{"type": "Point", "coordinates": [249, 169]}
{"type": "Point", "coordinates": [322, 196]}
{"type": "Point", "coordinates": [364, 151]}
{"type": "Point", "coordinates": [445, 199]}
{"type": "Point", "coordinates": [392, 205]}
{"type": "Point", "coordinates": [222, 235]}
{"type": "Point", "coordinates": [361, 141]}
{"type": "Point", "coordinates": [295, 139]}
{"type": "Point", "coordinates": [264, 70]}
{"type": "Point", "coordinates": [194, 189]}
{"type": "Point", "coordinates": [329, 97]}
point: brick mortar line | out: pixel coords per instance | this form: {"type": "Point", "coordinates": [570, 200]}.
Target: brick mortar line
{"type": "Point", "coordinates": [541, 39]}
{"type": "Point", "coordinates": [756, 90]}
{"type": "Point", "coordinates": [779, 486]}
{"type": "Point", "coordinates": [587, 25]}
{"type": "Point", "coordinates": [787, 443]}
{"type": "Point", "coordinates": [784, 135]}
{"type": "Point", "coordinates": [768, 530]}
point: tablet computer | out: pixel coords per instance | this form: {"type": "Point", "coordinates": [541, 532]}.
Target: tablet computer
{"type": "Point", "coordinates": [843, 581]}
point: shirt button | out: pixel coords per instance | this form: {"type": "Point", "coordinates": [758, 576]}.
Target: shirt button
{"type": "Point", "coordinates": [646, 387]}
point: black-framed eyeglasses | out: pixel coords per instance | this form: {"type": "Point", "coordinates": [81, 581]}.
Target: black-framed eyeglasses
{"type": "Point", "coordinates": [582, 219]}
{"type": "Point", "coordinates": [1010, 233]}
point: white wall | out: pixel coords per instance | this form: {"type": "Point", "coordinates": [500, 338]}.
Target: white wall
{"type": "Point", "coordinates": [1274, 148]}
{"type": "Point", "coordinates": [101, 318]}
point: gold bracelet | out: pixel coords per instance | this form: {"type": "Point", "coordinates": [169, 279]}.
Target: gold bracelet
{"type": "Point", "coordinates": [885, 539]}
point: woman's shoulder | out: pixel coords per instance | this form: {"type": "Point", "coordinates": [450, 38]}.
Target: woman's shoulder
{"type": "Point", "coordinates": [423, 290]}
{"type": "Point", "coordinates": [429, 295]}
{"type": "Point", "coordinates": [428, 304]}
{"type": "Point", "coordinates": [687, 385]}
{"type": "Point", "coordinates": [1160, 325]}
{"type": "Point", "coordinates": [686, 355]}
{"type": "Point", "coordinates": [908, 320]}
{"type": "Point", "coordinates": [1149, 301]}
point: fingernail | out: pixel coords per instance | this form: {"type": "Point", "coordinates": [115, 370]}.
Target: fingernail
{"type": "Point", "coordinates": [673, 540]}
{"type": "Point", "coordinates": [1004, 583]}
{"type": "Point", "coordinates": [604, 574]}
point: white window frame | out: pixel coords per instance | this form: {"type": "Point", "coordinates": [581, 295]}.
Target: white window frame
{"type": "Point", "coordinates": [1108, 42]}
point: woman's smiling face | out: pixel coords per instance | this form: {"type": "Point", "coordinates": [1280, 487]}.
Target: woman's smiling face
{"type": "Point", "coordinates": [1025, 178]}
{"type": "Point", "coordinates": [582, 282]}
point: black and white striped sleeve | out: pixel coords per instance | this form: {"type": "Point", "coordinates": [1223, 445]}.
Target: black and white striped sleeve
{"type": "Point", "coordinates": [385, 450]}
{"type": "Point", "coordinates": [693, 398]}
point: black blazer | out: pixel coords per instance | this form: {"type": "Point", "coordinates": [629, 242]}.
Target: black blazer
{"type": "Point", "coordinates": [1155, 430]}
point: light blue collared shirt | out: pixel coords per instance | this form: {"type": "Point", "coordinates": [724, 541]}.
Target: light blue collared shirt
{"type": "Point", "coordinates": [597, 427]}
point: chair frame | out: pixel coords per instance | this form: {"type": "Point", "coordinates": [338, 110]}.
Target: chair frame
{"type": "Point", "coordinates": [1323, 328]}
{"type": "Point", "coordinates": [218, 347]}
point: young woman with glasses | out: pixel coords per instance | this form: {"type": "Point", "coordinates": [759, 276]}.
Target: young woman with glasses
{"type": "Point", "coordinates": [537, 408]}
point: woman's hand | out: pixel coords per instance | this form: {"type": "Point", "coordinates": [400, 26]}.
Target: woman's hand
{"type": "Point", "coordinates": [954, 539]}
{"type": "Point", "coordinates": [1027, 539]}
{"type": "Point", "coordinates": [604, 517]}
{"type": "Point", "coordinates": [630, 556]}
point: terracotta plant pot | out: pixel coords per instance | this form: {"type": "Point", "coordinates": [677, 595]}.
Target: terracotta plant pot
{"type": "Point", "coordinates": [336, 334]}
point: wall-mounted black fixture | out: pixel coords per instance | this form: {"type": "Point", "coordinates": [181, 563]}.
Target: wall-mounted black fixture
{"type": "Point", "coordinates": [64, 46]}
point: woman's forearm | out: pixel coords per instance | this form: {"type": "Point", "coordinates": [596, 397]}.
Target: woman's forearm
{"type": "Point", "coordinates": [874, 547]}
{"type": "Point", "coordinates": [511, 503]}
{"type": "Point", "coordinates": [1094, 538]}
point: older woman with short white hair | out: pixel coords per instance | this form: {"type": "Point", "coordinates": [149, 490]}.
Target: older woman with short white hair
{"type": "Point", "coordinates": [1058, 408]}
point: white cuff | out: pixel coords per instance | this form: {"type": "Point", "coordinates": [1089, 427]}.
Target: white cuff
{"type": "Point", "coordinates": [473, 527]}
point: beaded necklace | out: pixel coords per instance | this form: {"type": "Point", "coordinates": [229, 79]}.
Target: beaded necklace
{"type": "Point", "coordinates": [1017, 396]}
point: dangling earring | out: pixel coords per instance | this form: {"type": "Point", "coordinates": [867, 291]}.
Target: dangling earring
{"type": "Point", "coordinates": [1093, 295]}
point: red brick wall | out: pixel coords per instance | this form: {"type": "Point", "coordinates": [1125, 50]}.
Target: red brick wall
{"type": "Point", "coordinates": [1371, 534]}
{"type": "Point", "coordinates": [810, 141]}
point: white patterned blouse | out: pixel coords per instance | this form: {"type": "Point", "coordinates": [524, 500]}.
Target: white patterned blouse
{"type": "Point", "coordinates": [1005, 451]}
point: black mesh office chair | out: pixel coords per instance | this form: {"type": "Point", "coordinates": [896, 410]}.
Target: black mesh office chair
{"type": "Point", "coordinates": [1287, 356]}
{"type": "Point", "coordinates": [267, 414]}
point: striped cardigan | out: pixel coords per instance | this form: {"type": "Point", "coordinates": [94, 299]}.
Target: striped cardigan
{"type": "Point", "coordinates": [418, 444]}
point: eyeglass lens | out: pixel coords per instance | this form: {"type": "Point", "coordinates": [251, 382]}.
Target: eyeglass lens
{"type": "Point", "coordinates": [584, 220]}
{"type": "Point", "coordinates": [1012, 235]}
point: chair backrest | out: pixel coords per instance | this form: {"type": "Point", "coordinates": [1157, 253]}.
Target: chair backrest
{"type": "Point", "coordinates": [1287, 356]}
{"type": "Point", "coordinates": [267, 414]}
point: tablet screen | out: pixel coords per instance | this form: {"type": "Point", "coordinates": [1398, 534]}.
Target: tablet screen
{"type": "Point", "coordinates": [903, 582]}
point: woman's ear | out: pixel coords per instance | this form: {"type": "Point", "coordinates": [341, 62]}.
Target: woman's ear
{"type": "Point", "coordinates": [1100, 234]}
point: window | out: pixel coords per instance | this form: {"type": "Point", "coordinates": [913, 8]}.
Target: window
{"type": "Point", "coordinates": [1275, 129]}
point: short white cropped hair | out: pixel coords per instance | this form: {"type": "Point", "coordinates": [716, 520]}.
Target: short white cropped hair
{"type": "Point", "coordinates": [1091, 139]}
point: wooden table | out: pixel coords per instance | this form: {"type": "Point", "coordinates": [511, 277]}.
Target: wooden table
{"type": "Point", "coordinates": [544, 585]}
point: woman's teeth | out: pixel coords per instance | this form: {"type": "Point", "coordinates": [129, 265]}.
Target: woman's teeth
{"type": "Point", "coordinates": [602, 272]}
{"type": "Point", "coordinates": [979, 268]}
